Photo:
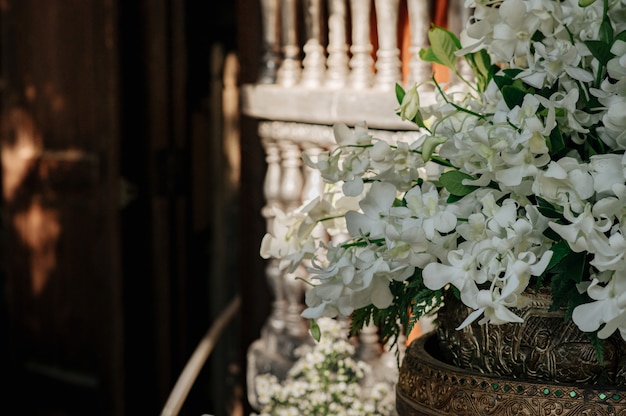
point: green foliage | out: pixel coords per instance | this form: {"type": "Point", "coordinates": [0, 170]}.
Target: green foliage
{"type": "Point", "coordinates": [600, 50]}
{"type": "Point", "coordinates": [606, 30]}
{"type": "Point", "coordinates": [412, 300]}
{"type": "Point", "coordinates": [443, 47]}
{"type": "Point", "coordinates": [429, 146]}
{"type": "Point", "coordinates": [556, 143]}
{"type": "Point", "coordinates": [564, 275]}
{"type": "Point", "coordinates": [418, 120]}
{"type": "Point", "coordinates": [453, 182]}
{"type": "Point", "coordinates": [400, 93]}
{"type": "Point", "coordinates": [549, 210]}
{"type": "Point", "coordinates": [483, 69]}
{"type": "Point", "coordinates": [314, 329]}
{"type": "Point", "coordinates": [598, 346]}
{"type": "Point", "coordinates": [621, 36]}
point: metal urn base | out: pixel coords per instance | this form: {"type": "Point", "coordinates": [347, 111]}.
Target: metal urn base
{"type": "Point", "coordinates": [428, 386]}
{"type": "Point", "coordinates": [544, 347]}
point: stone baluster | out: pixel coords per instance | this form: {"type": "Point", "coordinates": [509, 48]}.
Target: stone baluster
{"type": "Point", "coordinates": [313, 182]}
{"type": "Point", "coordinates": [290, 67]}
{"type": "Point", "coordinates": [391, 356]}
{"type": "Point", "coordinates": [292, 180]}
{"type": "Point", "coordinates": [291, 197]}
{"type": "Point", "coordinates": [337, 62]}
{"type": "Point", "coordinates": [271, 188]}
{"type": "Point", "coordinates": [361, 63]}
{"type": "Point", "coordinates": [270, 58]}
{"type": "Point", "coordinates": [369, 346]}
{"type": "Point", "coordinates": [313, 62]}
{"type": "Point", "coordinates": [420, 17]}
{"type": "Point", "coordinates": [388, 64]}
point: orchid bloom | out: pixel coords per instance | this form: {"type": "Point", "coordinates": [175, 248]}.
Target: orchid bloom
{"type": "Point", "coordinates": [607, 312]}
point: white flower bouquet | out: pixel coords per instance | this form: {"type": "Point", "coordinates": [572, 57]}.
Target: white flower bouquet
{"type": "Point", "coordinates": [325, 380]}
{"type": "Point", "coordinates": [530, 190]}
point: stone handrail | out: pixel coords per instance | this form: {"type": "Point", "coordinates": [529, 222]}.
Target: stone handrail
{"type": "Point", "coordinates": [338, 61]}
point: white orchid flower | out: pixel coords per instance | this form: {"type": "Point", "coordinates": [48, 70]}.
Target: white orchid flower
{"type": "Point", "coordinates": [512, 34]}
{"type": "Point", "coordinates": [567, 101]}
{"type": "Point", "coordinates": [608, 307]}
{"type": "Point", "coordinates": [616, 67]}
{"type": "Point", "coordinates": [403, 167]}
{"type": "Point", "coordinates": [288, 240]}
{"type": "Point", "coordinates": [410, 105]}
{"type": "Point", "coordinates": [607, 171]}
{"type": "Point", "coordinates": [554, 63]}
{"type": "Point", "coordinates": [494, 308]}
{"type": "Point", "coordinates": [585, 232]}
{"type": "Point", "coordinates": [565, 182]}
{"type": "Point", "coordinates": [424, 203]}
{"type": "Point", "coordinates": [408, 245]}
{"type": "Point", "coordinates": [613, 259]}
{"type": "Point", "coordinates": [613, 207]}
{"type": "Point", "coordinates": [376, 206]}
{"type": "Point", "coordinates": [345, 136]}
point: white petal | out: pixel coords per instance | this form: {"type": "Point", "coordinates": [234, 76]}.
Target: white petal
{"type": "Point", "coordinates": [471, 318]}
{"type": "Point", "coordinates": [579, 74]}
{"type": "Point", "coordinates": [353, 187]}
{"type": "Point", "coordinates": [381, 295]}
{"type": "Point", "coordinates": [588, 316]}
{"type": "Point", "coordinates": [437, 275]}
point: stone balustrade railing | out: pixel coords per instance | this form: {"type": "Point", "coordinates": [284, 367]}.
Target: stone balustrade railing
{"type": "Point", "coordinates": [326, 62]}
{"type": "Point", "coordinates": [338, 60]}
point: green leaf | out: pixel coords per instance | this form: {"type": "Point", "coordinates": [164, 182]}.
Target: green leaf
{"type": "Point", "coordinates": [315, 331]}
{"type": "Point", "coordinates": [565, 275]}
{"type": "Point", "coordinates": [412, 300]}
{"type": "Point", "coordinates": [512, 72]}
{"type": "Point", "coordinates": [444, 44]}
{"type": "Point", "coordinates": [556, 144]}
{"type": "Point", "coordinates": [482, 60]}
{"type": "Point", "coordinates": [419, 120]}
{"type": "Point", "coordinates": [427, 55]}
{"type": "Point", "coordinates": [600, 50]}
{"type": "Point", "coordinates": [559, 250]}
{"type": "Point", "coordinates": [547, 209]}
{"type": "Point", "coordinates": [606, 30]}
{"type": "Point", "coordinates": [430, 144]}
{"type": "Point", "coordinates": [506, 77]}
{"type": "Point", "coordinates": [482, 68]}
{"type": "Point", "coordinates": [620, 36]}
{"type": "Point", "coordinates": [585, 3]}
{"type": "Point", "coordinates": [452, 199]}
{"type": "Point", "coordinates": [513, 96]}
{"type": "Point", "coordinates": [453, 182]}
{"type": "Point", "coordinates": [598, 345]}
{"type": "Point", "coordinates": [400, 93]}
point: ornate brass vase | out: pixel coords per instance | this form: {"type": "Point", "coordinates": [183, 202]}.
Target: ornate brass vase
{"type": "Point", "coordinates": [544, 366]}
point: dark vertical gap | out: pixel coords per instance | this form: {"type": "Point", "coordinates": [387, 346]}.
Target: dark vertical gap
{"type": "Point", "coordinates": [207, 24]}
{"type": "Point", "coordinates": [141, 387]}
{"type": "Point", "coordinates": [256, 297]}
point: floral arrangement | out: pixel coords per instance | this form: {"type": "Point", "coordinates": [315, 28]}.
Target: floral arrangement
{"type": "Point", "coordinates": [529, 189]}
{"type": "Point", "coordinates": [325, 380]}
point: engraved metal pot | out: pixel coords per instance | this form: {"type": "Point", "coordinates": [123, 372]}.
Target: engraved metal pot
{"type": "Point", "coordinates": [427, 386]}
{"type": "Point", "coordinates": [544, 347]}
{"type": "Point", "coordinates": [543, 366]}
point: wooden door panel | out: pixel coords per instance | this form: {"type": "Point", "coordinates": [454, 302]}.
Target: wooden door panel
{"type": "Point", "coordinates": [60, 174]}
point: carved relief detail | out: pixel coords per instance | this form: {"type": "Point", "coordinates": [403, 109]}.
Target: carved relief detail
{"type": "Point", "coordinates": [427, 386]}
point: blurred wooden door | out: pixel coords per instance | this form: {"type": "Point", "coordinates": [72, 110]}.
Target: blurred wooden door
{"type": "Point", "coordinates": [95, 205]}
{"type": "Point", "coordinates": [61, 186]}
